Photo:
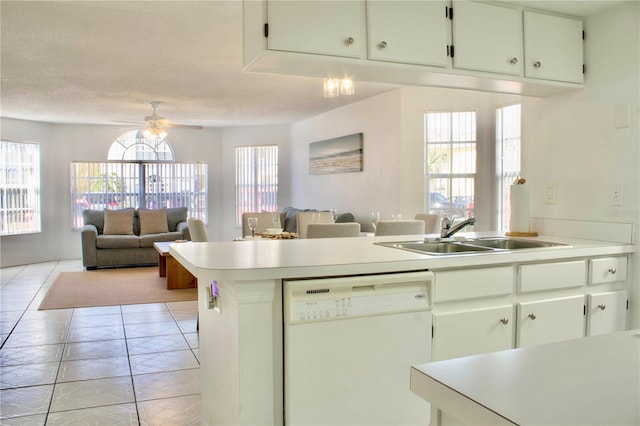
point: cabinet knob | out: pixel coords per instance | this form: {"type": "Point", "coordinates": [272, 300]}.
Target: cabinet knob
{"type": "Point", "coordinates": [382, 44]}
{"type": "Point", "coordinates": [504, 321]}
{"type": "Point", "coordinates": [532, 316]}
{"type": "Point", "coordinates": [602, 306]}
{"type": "Point", "coordinates": [513, 61]}
{"type": "Point", "coordinates": [537, 64]}
{"type": "Point", "coordinates": [613, 271]}
{"type": "Point", "coordinates": [349, 41]}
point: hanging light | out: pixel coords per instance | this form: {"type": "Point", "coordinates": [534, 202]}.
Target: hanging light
{"type": "Point", "coordinates": [333, 87]}
{"type": "Point", "coordinates": [347, 87]}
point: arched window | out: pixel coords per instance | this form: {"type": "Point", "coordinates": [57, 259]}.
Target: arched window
{"type": "Point", "coordinates": [139, 173]}
{"type": "Point", "coordinates": [133, 146]}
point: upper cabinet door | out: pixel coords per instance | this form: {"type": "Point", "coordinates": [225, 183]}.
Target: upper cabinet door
{"type": "Point", "coordinates": [411, 32]}
{"type": "Point", "coordinates": [322, 27]}
{"type": "Point", "coordinates": [487, 38]}
{"type": "Point", "coordinates": [553, 47]}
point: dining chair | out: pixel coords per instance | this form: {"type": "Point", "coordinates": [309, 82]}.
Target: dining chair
{"type": "Point", "coordinates": [399, 227]}
{"type": "Point", "coordinates": [431, 222]}
{"type": "Point", "coordinates": [333, 230]}
{"type": "Point", "coordinates": [265, 221]}
{"type": "Point", "coordinates": [305, 218]}
{"type": "Point", "coordinates": [197, 230]}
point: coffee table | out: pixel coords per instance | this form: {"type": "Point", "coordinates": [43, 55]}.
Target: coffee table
{"type": "Point", "coordinates": [177, 275]}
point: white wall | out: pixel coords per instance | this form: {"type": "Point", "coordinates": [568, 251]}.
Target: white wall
{"type": "Point", "coordinates": [392, 180]}
{"type": "Point", "coordinates": [570, 140]}
{"type": "Point", "coordinates": [245, 136]}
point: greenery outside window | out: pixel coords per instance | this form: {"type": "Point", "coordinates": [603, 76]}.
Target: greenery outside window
{"type": "Point", "coordinates": [19, 188]}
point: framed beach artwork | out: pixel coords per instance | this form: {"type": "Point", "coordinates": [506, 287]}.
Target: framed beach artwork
{"type": "Point", "coordinates": [338, 155]}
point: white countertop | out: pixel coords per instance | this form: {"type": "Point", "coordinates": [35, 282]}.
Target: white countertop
{"type": "Point", "coordinates": [589, 381]}
{"type": "Point", "coordinates": [264, 259]}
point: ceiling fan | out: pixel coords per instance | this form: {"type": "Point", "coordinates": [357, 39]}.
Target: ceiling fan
{"type": "Point", "coordinates": [156, 124]}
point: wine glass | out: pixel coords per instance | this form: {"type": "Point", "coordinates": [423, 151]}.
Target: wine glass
{"type": "Point", "coordinates": [375, 217]}
{"type": "Point", "coordinates": [253, 223]}
{"type": "Point", "coordinates": [275, 218]}
{"type": "Point", "coordinates": [334, 214]}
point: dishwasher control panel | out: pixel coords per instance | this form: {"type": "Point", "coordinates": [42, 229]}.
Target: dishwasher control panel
{"type": "Point", "coordinates": [348, 297]}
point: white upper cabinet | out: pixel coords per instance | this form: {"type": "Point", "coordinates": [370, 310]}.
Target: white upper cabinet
{"type": "Point", "coordinates": [335, 28]}
{"type": "Point", "coordinates": [553, 47]}
{"type": "Point", "coordinates": [411, 32]}
{"type": "Point", "coordinates": [487, 38]}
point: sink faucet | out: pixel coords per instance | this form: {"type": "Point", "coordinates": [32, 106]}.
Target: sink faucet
{"type": "Point", "coordinates": [447, 230]}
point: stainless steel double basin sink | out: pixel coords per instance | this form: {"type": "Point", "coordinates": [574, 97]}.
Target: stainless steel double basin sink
{"type": "Point", "coordinates": [468, 246]}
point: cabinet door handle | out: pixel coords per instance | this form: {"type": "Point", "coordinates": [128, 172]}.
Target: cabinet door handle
{"type": "Point", "coordinates": [532, 316]}
{"type": "Point", "coordinates": [349, 41]}
{"type": "Point", "coordinates": [537, 64]}
{"type": "Point", "coordinates": [513, 61]}
{"type": "Point", "coordinates": [382, 44]}
{"type": "Point", "coordinates": [613, 271]}
{"type": "Point", "coordinates": [602, 306]}
{"type": "Point", "coordinates": [504, 321]}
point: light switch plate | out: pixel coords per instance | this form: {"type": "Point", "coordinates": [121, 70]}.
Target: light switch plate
{"type": "Point", "coordinates": [615, 194]}
{"type": "Point", "coordinates": [550, 193]}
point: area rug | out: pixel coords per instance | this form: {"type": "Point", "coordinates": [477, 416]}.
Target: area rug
{"type": "Point", "coordinates": [110, 287]}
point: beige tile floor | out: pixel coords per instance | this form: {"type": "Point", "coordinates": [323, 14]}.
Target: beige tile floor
{"type": "Point", "coordinates": [114, 365]}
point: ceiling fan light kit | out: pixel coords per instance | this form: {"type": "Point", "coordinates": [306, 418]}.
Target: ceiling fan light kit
{"type": "Point", "coordinates": [154, 132]}
{"type": "Point", "coordinates": [155, 125]}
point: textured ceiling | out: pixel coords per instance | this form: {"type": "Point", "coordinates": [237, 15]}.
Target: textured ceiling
{"type": "Point", "coordinates": [100, 62]}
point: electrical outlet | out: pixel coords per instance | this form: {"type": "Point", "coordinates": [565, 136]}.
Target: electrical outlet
{"type": "Point", "coordinates": [551, 193]}
{"type": "Point", "coordinates": [615, 194]}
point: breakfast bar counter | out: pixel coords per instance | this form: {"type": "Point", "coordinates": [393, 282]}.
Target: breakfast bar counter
{"type": "Point", "coordinates": [240, 301]}
{"type": "Point", "coordinates": [590, 381]}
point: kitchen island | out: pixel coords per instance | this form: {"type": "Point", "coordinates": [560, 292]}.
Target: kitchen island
{"type": "Point", "coordinates": [590, 381]}
{"type": "Point", "coordinates": [241, 338]}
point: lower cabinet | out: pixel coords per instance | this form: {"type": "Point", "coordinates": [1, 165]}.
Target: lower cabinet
{"type": "Point", "coordinates": [606, 312]}
{"type": "Point", "coordinates": [550, 320]}
{"type": "Point", "coordinates": [457, 334]}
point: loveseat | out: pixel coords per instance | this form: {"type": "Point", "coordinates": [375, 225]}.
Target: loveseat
{"type": "Point", "coordinates": [125, 237]}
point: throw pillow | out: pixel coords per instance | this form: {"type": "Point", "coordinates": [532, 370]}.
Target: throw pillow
{"type": "Point", "coordinates": [118, 222]}
{"type": "Point", "coordinates": [153, 221]}
{"type": "Point", "coordinates": [345, 218]}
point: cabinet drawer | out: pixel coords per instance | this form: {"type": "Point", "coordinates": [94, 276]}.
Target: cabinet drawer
{"type": "Point", "coordinates": [473, 283]}
{"type": "Point", "coordinates": [608, 269]}
{"type": "Point", "coordinates": [549, 276]}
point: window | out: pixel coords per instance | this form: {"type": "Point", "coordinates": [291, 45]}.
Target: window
{"type": "Point", "coordinates": [19, 188]}
{"type": "Point", "coordinates": [140, 173]}
{"type": "Point", "coordinates": [256, 180]}
{"type": "Point", "coordinates": [508, 157]}
{"type": "Point", "coordinates": [450, 164]}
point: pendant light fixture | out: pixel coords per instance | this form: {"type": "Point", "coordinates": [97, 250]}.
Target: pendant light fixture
{"type": "Point", "coordinates": [333, 87]}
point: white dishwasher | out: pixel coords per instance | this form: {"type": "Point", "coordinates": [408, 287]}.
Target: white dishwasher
{"type": "Point", "coordinates": [349, 343]}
